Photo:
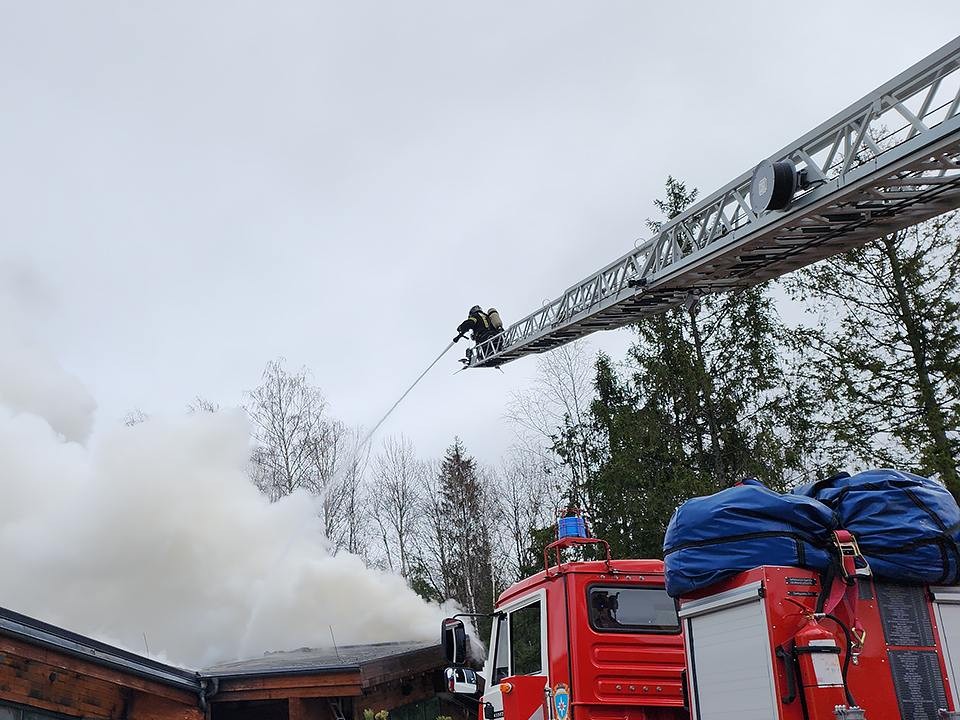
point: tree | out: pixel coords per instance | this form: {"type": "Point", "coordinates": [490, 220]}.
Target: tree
{"type": "Point", "coordinates": [459, 564]}
{"type": "Point", "coordinates": [297, 446]}
{"type": "Point", "coordinates": [552, 460]}
{"type": "Point", "coordinates": [339, 464]}
{"type": "Point", "coordinates": [528, 499]}
{"type": "Point", "coordinates": [135, 417]}
{"type": "Point", "coordinates": [704, 398]}
{"type": "Point", "coordinates": [200, 404]}
{"type": "Point", "coordinates": [552, 415]}
{"type": "Point", "coordinates": [430, 572]}
{"type": "Point", "coordinates": [396, 501]}
{"type": "Point", "coordinates": [644, 466]}
{"type": "Point", "coordinates": [287, 412]}
{"type": "Point", "coordinates": [352, 533]}
{"type": "Point", "coordinates": [885, 353]}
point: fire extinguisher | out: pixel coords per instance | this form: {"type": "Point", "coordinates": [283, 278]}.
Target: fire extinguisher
{"type": "Point", "coordinates": [818, 658]}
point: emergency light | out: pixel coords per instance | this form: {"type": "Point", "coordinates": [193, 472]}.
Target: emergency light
{"type": "Point", "coordinates": [572, 526]}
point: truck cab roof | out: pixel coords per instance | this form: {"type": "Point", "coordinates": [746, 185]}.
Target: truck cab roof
{"type": "Point", "coordinates": [623, 569]}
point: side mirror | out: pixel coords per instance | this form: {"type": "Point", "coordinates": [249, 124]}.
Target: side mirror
{"type": "Point", "coordinates": [461, 681]}
{"type": "Point", "coordinates": [453, 637]}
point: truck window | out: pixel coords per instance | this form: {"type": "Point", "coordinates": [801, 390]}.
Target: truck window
{"type": "Point", "coordinates": [525, 640]}
{"type": "Point", "coordinates": [620, 608]}
{"type": "Point", "coordinates": [501, 658]}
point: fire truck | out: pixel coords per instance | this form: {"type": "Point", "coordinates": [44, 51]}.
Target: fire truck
{"type": "Point", "coordinates": [602, 640]}
{"type": "Point", "coordinates": [595, 638]}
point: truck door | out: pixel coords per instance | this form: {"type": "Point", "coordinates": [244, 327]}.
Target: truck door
{"type": "Point", "coordinates": [518, 647]}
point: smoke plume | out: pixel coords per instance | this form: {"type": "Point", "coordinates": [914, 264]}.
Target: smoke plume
{"type": "Point", "coordinates": [155, 532]}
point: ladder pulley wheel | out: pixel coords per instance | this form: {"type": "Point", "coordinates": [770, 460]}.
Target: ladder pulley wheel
{"type": "Point", "coordinates": [773, 185]}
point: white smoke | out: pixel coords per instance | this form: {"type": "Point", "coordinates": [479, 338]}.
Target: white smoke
{"type": "Point", "coordinates": [30, 378]}
{"type": "Point", "coordinates": [154, 533]}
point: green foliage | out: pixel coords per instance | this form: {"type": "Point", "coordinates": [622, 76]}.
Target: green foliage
{"type": "Point", "coordinates": [703, 399]}
{"type": "Point", "coordinates": [419, 581]}
{"type": "Point", "coordinates": [642, 471]}
{"type": "Point", "coordinates": [540, 537]}
{"type": "Point", "coordinates": [721, 388]}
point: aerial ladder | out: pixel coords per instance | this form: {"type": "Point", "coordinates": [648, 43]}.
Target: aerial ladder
{"type": "Point", "coordinates": [888, 161]}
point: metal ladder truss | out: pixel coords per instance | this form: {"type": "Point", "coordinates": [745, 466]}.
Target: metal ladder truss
{"type": "Point", "coordinates": [889, 161]}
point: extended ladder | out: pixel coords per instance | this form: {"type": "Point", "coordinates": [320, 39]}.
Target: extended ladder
{"type": "Point", "coordinates": [890, 160]}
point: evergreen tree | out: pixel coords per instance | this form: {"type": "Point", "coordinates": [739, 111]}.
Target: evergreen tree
{"type": "Point", "coordinates": [886, 351]}
{"type": "Point", "coordinates": [643, 467]}
{"type": "Point", "coordinates": [705, 399]}
{"type": "Point", "coordinates": [468, 576]}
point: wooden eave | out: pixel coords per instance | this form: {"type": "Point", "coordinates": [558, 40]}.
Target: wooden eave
{"type": "Point", "coordinates": [279, 685]}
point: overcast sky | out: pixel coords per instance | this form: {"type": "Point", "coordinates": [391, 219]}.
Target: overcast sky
{"type": "Point", "coordinates": [199, 187]}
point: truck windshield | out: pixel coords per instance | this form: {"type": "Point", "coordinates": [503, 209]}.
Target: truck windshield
{"type": "Point", "coordinates": [619, 608]}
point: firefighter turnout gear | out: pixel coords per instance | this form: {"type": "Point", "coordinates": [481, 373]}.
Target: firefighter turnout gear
{"type": "Point", "coordinates": [477, 323]}
{"type": "Point", "coordinates": [482, 326]}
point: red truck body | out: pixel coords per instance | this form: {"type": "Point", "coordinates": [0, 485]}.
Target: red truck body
{"type": "Point", "coordinates": [594, 667]}
{"type": "Point", "coordinates": [743, 631]}
{"type": "Point", "coordinates": [602, 640]}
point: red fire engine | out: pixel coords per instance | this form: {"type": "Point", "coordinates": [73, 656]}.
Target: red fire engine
{"type": "Point", "coordinates": [602, 640]}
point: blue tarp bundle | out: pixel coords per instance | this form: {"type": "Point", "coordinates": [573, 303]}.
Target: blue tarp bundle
{"type": "Point", "coordinates": [907, 526]}
{"type": "Point", "coordinates": [711, 538]}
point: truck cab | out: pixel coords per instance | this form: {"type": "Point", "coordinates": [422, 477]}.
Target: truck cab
{"type": "Point", "coordinates": [597, 639]}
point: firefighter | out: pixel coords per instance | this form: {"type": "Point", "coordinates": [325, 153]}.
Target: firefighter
{"type": "Point", "coordinates": [481, 325]}
{"type": "Point", "coordinates": [477, 323]}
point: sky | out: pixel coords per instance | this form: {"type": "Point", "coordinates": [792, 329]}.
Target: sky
{"type": "Point", "coordinates": [189, 190]}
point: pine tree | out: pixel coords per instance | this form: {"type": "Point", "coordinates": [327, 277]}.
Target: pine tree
{"type": "Point", "coordinates": [468, 575]}
{"type": "Point", "coordinates": [705, 398]}
{"type": "Point", "coordinates": [643, 467]}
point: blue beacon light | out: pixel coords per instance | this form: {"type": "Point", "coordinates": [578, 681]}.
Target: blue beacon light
{"type": "Point", "coordinates": [572, 526]}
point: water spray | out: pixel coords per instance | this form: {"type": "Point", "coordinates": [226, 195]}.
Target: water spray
{"type": "Point", "coordinates": [393, 407]}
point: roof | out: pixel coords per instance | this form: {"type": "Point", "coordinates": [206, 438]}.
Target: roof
{"type": "Point", "coordinates": [15, 625]}
{"type": "Point", "coordinates": [344, 658]}
{"type": "Point", "coordinates": [369, 663]}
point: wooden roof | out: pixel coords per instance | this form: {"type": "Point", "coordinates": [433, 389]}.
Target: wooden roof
{"type": "Point", "coordinates": [41, 634]}
{"type": "Point", "coordinates": [344, 671]}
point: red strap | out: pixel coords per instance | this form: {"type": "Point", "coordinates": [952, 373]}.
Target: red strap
{"type": "Point", "coordinates": [837, 591]}
{"type": "Point", "coordinates": [844, 587]}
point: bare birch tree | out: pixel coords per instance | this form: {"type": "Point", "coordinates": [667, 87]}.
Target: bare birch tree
{"type": "Point", "coordinates": [552, 415]}
{"type": "Point", "coordinates": [431, 572]}
{"type": "Point", "coordinates": [527, 497]}
{"type": "Point", "coordinates": [286, 411]}
{"type": "Point", "coordinates": [398, 477]}
{"type": "Point", "coordinates": [352, 534]}
{"type": "Point", "coordinates": [298, 446]}
{"type": "Point", "coordinates": [201, 404]}
{"type": "Point", "coordinates": [135, 417]}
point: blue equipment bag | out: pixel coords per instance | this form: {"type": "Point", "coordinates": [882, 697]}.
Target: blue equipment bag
{"type": "Point", "coordinates": [907, 526]}
{"type": "Point", "coordinates": [715, 537]}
